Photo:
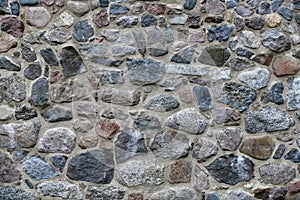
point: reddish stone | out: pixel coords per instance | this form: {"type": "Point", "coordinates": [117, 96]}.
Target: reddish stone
{"type": "Point", "coordinates": [101, 19]}
{"type": "Point", "coordinates": [8, 169]}
{"type": "Point", "coordinates": [264, 59]}
{"type": "Point", "coordinates": [294, 187]}
{"type": "Point", "coordinates": [88, 141]}
{"type": "Point", "coordinates": [12, 26]}
{"type": "Point", "coordinates": [155, 8]}
{"type": "Point", "coordinates": [107, 129]}
{"type": "Point", "coordinates": [6, 44]}
{"type": "Point", "coordinates": [135, 196]}
{"type": "Point", "coordinates": [270, 193]}
{"type": "Point", "coordinates": [197, 37]}
{"type": "Point", "coordinates": [180, 172]}
{"type": "Point", "coordinates": [283, 66]}
{"type": "Point", "coordinates": [216, 7]}
{"type": "Point", "coordinates": [186, 95]}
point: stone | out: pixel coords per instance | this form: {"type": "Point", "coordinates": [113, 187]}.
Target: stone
{"type": "Point", "coordinates": [95, 166]}
{"type": "Point", "coordinates": [177, 20]}
{"type": "Point", "coordinates": [111, 77]}
{"type": "Point", "coordinates": [13, 88]}
{"type": "Point", "coordinates": [283, 66]}
{"type": "Point", "coordinates": [285, 13]}
{"type": "Point", "coordinates": [264, 8]}
{"type": "Point", "coordinates": [276, 4]}
{"type": "Point", "coordinates": [57, 113]}
{"type": "Point", "coordinates": [17, 193]}
{"type": "Point", "coordinates": [135, 196]}
{"type": "Point", "coordinates": [201, 179]}
{"type": "Point", "coordinates": [231, 169]}
{"type": "Point", "coordinates": [204, 149]}
{"type": "Point", "coordinates": [158, 50]}
{"type": "Point", "coordinates": [263, 58]}
{"type": "Point", "coordinates": [212, 196]}
{"type": "Point", "coordinates": [173, 9]}
{"type": "Point", "coordinates": [104, 192]}
{"type": "Point", "coordinates": [130, 143]}
{"type": "Point", "coordinates": [221, 32]}
{"type": "Point", "coordinates": [28, 53]}
{"type": "Point", "coordinates": [237, 194]}
{"type": "Point", "coordinates": [256, 78]}
{"type": "Point", "coordinates": [8, 64]}
{"type": "Point", "coordinates": [117, 9]}
{"type": "Point", "coordinates": [294, 187]}
{"type": "Point", "coordinates": [78, 8]}
{"type": "Point", "coordinates": [187, 120]}
{"type": "Point", "coordinates": [140, 172]}
{"type": "Point", "coordinates": [110, 35]}
{"type": "Point", "coordinates": [148, 20]}
{"type": "Point", "coordinates": [273, 20]}
{"type": "Point", "coordinates": [175, 193]}
{"type": "Point", "coordinates": [215, 7]}
{"type": "Point", "coordinates": [239, 23]}
{"type": "Point", "coordinates": [137, 8]}
{"type": "Point", "coordinates": [107, 129]}
{"type": "Point", "coordinates": [65, 19]}
{"type": "Point", "coordinates": [297, 17]}
{"type": "Point", "coordinates": [59, 189]}
{"type": "Point", "coordinates": [242, 101]}
{"type": "Point", "coordinates": [163, 102]}
{"type": "Point", "coordinates": [88, 141]}
{"type": "Point", "coordinates": [214, 55]}
{"type": "Point", "coordinates": [59, 162]}
{"type": "Point", "coordinates": [144, 71]}
{"type": "Point", "coordinates": [226, 115]}
{"type": "Point", "coordinates": [258, 147]}
{"type": "Point", "coordinates": [114, 113]}
{"type": "Point", "coordinates": [243, 10]}
{"type": "Point", "coordinates": [167, 144]}
{"type": "Point", "coordinates": [33, 71]}
{"type": "Point", "coordinates": [7, 44]}
{"type": "Point", "coordinates": [19, 135]}
{"type": "Point", "coordinates": [104, 3]}
{"type": "Point", "coordinates": [229, 138]}
{"type": "Point", "coordinates": [244, 53]}
{"type": "Point", "coordinates": [293, 93]}
{"type": "Point", "coordinates": [202, 97]}
{"type": "Point", "coordinates": [101, 19]}
{"type": "Point", "coordinates": [293, 155]}
{"type": "Point", "coordinates": [38, 17]}
{"type": "Point", "coordinates": [238, 64]}
{"type": "Point", "coordinates": [127, 21]}
{"type": "Point", "coordinates": [155, 8]}
{"type": "Point", "coordinates": [279, 151]}
{"type": "Point", "coordinates": [28, 2]}
{"type": "Point", "coordinates": [255, 23]}
{"type": "Point", "coordinates": [184, 56]}
{"type": "Point", "coordinates": [39, 92]}
{"type": "Point", "coordinates": [37, 168]}
{"type": "Point", "coordinates": [140, 40]}
{"type": "Point", "coordinates": [6, 112]}
{"type": "Point", "coordinates": [189, 4]}
{"type": "Point", "coordinates": [8, 170]}
{"type": "Point", "coordinates": [49, 56]}
{"type": "Point", "coordinates": [122, 50]}
{"type": "Point", "coordinates": [275, 40]}
{"type": "Point", "coordinates": [249, 39]}
{"type": "Point", "coordinates": [274, 94]}
{"type": "Point", "coordinates": [120, 96]}
{"type": "Point", "coordinates": [277, 173]}
{"type": "Point", "coordinates": [12, 26]}
{"type": "Point", "coordinates": [25, 112]}
{"type": "Point", "coordinates": [180, 172]}
{"type": "Point", "coordinates": [145, 122]}
{"type": "Point", "coordinates": [58, 35]}
{"type": "Point", "coordinates": [82, 30]}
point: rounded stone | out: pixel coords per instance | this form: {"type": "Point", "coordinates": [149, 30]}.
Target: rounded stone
{"type": "Point", "coordinates": [273, 20]}
{"type": "Point", "coordinates": [38, 17]}
{"type": "Point", "coordinates": [83, 30]}
{"type": "Point", "coordinates": [275, 40]}
{"type": "Point", "coordinates": [277, 173]}
{"type": "Point", "coordinates": [162, 103]}
{"type": "Point", "coordinates": [257, 78]}
{"type": "Point", "coordinates": [204, 149]}
{"type": "Point", "coordinates": [249, 39]}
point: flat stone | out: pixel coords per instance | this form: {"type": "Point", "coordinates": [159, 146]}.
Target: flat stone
{"type": "Point", "coordinates": [57, 113]}
{"type": "Point", "coordinates": [243, 10]}
{"type": "Point", "coordinates": [13, 192]}
{"type": "Point", "coordinates": [185, 55]}
{"type": "Point", "coordinates": [59, 161]}
{"type": "Point", "coordinates": [204, 149]}
{"type": "Point", "coordinates": [154, 36]}
{"type": "Point", "coordinates": [39, 92]}
{"type": "Point", "coordinates": [130, 143]}
{"type": "Point", "coordinates": [12, 26]}
{"type": "Point", "coordinates": [101, 19]}
{"type": "Point", "coordinates": [229, 138]}
{"type": "Point", "coordinates": [244, 53]}
{"type": "Point", "coordinates": [37, 168]}
{"type": "Point", "coordinates": [264, 8]}
{"type": "Point", "coordinates": [28, 2]}
{"type": "Point", "coordinates": [120, 96]}
{"type": "Point", "coordinates": [104, 192]}
{"type": "Point", "coordinates": [237, 194]}
{"type": "Point", "coordinates": [122, 50]}
{"type": "Point", "coordinates": [8, 64]}
{"type": "Point", "coordinates": [143, 71]}
{"type": "Point", "coordinates": [111, 77]}
{"type": "Point", "coordinates": [135, 196]}
{"type": "Point", "coordinates": [82, 30]}
{"type": "Point", "coordinates": [38, 17]}
{"type": "Point", "coordinates": [180, 172]}
{"type": "Point", "coordinates": [293, 155]}
{"type": "Point", "coordinates": [231, 169]}
{"type": "Point", "coordinates": [117, 9]}
{"type": "Point", "coordinates": [187, 120]}
{"type": "Point", "coordinates": [263, 58]}
{"type": "Point", "coordinates": [269, 193]}
{"type": "Point", "coordinates": [214, 55]}
{"type": "Point", "coordinates": [283, 66]}
{"type": "Point", "coordinates": [33, 71]}
{"type": "Point", "coordinates": [175, 193]}
{"type": "Point", "coordinates": [279, 151]}
{"type": "Point", "coordinates": [28, 53]}
{"type": "Point", "coordinates": [219, 32]}
{"type": "Point", "coordinates": [146, 122]}
{"type": "Point", "coordinates": [285, 13]}
{"type": "Point", "coordinates": [189, 4]}
{"type": "Point", "coordinates": [275, 40]}
{"type": "Point", "coordinates": [19, 135]}
{"type": "Point", "coordinates": [6, 112]}
{"type": "Point", "coordinates": [49, 56]}
{"type": "Point", "coordinates": [255, 23]}
{"type": "Point", "coordinates": [148, 20]}
{"type": "Point", "coordinates": [78, 8]}
{"type": "Point", "coordinates": [277, 173]}
{"type": "Point", "coordinates": [59, 189]}
{"type": "Point", "coordinates": [162, 103]}
{"type": "Point", "coordinates": [177, 20]}
{"type": "Point", "coordinates": [256, 78]}
{"type": "Point", "coordinates": [202, 97]}
{"type": "Point", "coordinates": [107, 129]}
{"type": "Point", "coordinates": [88, 141]}
{"type": "Point", "coordinates": [249, 39]}
{"type": "Point", "coordinates": [158, 50]}
{"type": "Point", "coordinates": [215, 7]}
{"type": "Point", "coordinates": [95, 166]}
{"type": "Point", "coordinates": [25, 112]}
{"type": "Point", "coordinates": [201, 179]}
{"type": "Point", "coordinates": [226, 115]}
{"type": "Point", "coordinates": [58, 35]}
{"type": "Point", "coordinates": [7, 44]}
{"type": "Point", "coordinates": [274, 94]}
{"type": "Point", "coordinates": [140, 40]}
{"type": "Point", "coordinates": [71, 62]}
{"type": "Point", "coordinates": [140, 172]}
{"type": "Point", "coordinates": [242, 101]}
{"type": "Point", "coordinates": [127, 21]}
{"type": "Point", "coordinates": [267, 119]}
{"type": "Point", "coordinates": [293, 93]}
{"type": "Point", "coordinates": [167, 144]}
{"type": "Point", "coordinates": [8, 171]}
{"type": "Point", "coordinates": [114, 113]}
{"type": "Point", "coordinates": [155, 8]}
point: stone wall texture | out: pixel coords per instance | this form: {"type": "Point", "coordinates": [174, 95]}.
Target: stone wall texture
{"type": "Point", "coordinates": [153, 100]}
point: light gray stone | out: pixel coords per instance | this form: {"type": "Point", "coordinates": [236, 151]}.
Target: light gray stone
{"type": "Point", "coordinates": [256, 78]}
{"type": "Point", "coordinates": [120, 96]}
{"type": "Point", "coordinates": [6, 112]}
{"type": "Point", "coordinates": [249, 39]}
{"type": "Point", "coordinates": [104, 193]}
{"type": "Point", "coordinates": [277, 173]}
{"type": "Point", "coordinates": [122, 50]}
{"type": "Point", "coordinates": [15, 193]}
{"type": "Point", "coordinates": [204, 149]}
{"type": "Point", "coordinates": [162, 103]}
{"type": "Point", "coordinates": [293, 93]}
{"type": "Point", "coordinates": [175, 193]}
{"type": "Point", "coordinates": [237, 194]}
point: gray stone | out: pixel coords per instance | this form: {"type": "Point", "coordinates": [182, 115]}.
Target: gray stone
{"type": "Point", "coordinates": [189, 4]}
{"type": "Point", "coordinates": [220, 32]}
{"type": "Point", "coordinates": [25, 112]}
{"type": "Point", "coordinates": [277, 173]}
{"type": "Point", "coordinates": [204, 149]}
{"type": "Point", "coordinates": [162, 103]}
{"type": "Point", "coordinates": [167, 144]}
{"type": "Point", "coordinates": [15, 193]}
{"type": "Point", "coordinates": [175, 193]}
{"type": "Point", "coordinates": [293, 93]}
{"type": "Point", "coordinates": [215, 7]}
{"type": "Point", "coordinates": [264, 8]}
{"type": "Point", "coordinates": [59, 189]}
{"type": "Point", "coordinates": [111, 77]}
{"type": "Point", "coordinates": [12, 26]}
{"type": "Point", "coordinates": [114, 113]}
{"type": "Point", "coordinates": [8, 170]}
{"type": "Point", "coordinates": [242, 101]}
{"type": "Point", "coordinates": [143, 71]}
{"type": "Point", "coordinates": [249, 39]}
{"type": "Point", "coordinates": [154, 35]}
{"type": "Point", "coordinates": [177, 20]}
{"type": "Point", "coordinates": [127, 21]}
{"type": "Point", "coordinates": [214, 55]}
{"type": "Point", "coordinates": [86, 109]}
{"type": "Point", "coordinates": [122, 50]}
{"type": "Point", "coordinates": [231, 169]}
{"type": "Point", "coordinates": [12, 88]}
{"type": "Point", "coordinates": [274, 94]}
{"type": "Point", "coordinates": [6, 112]}
{"type": "Point", "coordinates": [255, 23]}
{"type": "Point", "coordinates": [8, 64]}
{"type": "Point", "coordinates": [203, 98]}
{"type": "Point", "coordinates": [213, 196]}
{"type": "Point", "coordinates": [293, 155]}
{"type": "Point", "coordinates": [28, 53]}
{"type": "Point", "coordinates": [158, 50]}
{"type": "Point", "coordinates": [267, 119]}
{"type": "Point", "coordinates": [180, 172]}
{"type": "Point", "coordinates": [58, 35]}
{"type": "Point", "coordinates": [57, 113]}
{"type": "Point", "coordinates": [120, 96]}
{"type": "Point", "coordinates": [237, 194]}
{"type": "Point", "coordinates": [38, 17]}
{"type": "Point", "coordinates": [229, 138]}
{"type": "Point", "coordinates": [244, 53]}
{"type": "Point", "coordinates": [28, 2]}
{"type": "Point", "coordinates": [140, 40]}
{"type": "Point", "coordinates": [275, 40]}
{"type": "Point", "coordinates": [239, 23]}
{"type": "Point", "coordinates": [285, 13]}
{"type": "Point", "coordinates": [57, 140]}
{"type": "Point", "coordinates": [59, 162]}
{"type": "Point", "coordinates": [104, 193]}
{"type": "Point", "coordinates": [243, 10]}
{"type": "Point", "coordinates": [279, 151]}
{"type": "Point", "coordinates": [145, 122]}
{"type": "Point", "coordinates": [226, 115]}
{"type": "Point", "coordinates": [78, 8]}
{"type": "Point", "coordinates": [256, 78]}
{"type": "Point", "coordinates": [201, 179]}
{"type": "Point", "coordinates": [37, 168]}
{"type": "Point", "coordinates": [140, 172]}
{"type": "Point", "coordinates": [33, 71]}
{"type": "Point", "coordinates": [129, 143]}
{"type": "Point", "coordinates": [184, 56]}
{"type": "Point", "coordinates": [187, 69]}
{"type": "Point", "coordinates": [39, 92]}
{"type": "Point", "coordinates": [117, 9]}
{"type": "Point", "coordinates": [82, 30]}
{"type": "Point", "coordinates": [148, 20]}
{"type": "Point", "coordinates": [94, 50]}
{"type": "Point", "coordinates": [49, 56]}
{"type": "Point", "coordinates": [110, 35]}
{"type": "Point", "coordinates": [95, 166]}
{"type": "Point", "coordinates": [188, 120]}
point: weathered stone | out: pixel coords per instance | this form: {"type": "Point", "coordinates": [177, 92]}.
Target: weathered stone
{"type": "Point", "coordinates": [28, 53]}
{"type": "Point", "coordinates": [203, 98]}
{"type": "Point", "coordinates": [88, 141]}
{"type": "Point", "coordinates": [145, 122]}
{"type": "Point", "coordinates": [110, 35]}
{"type": "Point", "coordinates": [38, 17]}
{"type": "Point", "coordinates": [49, 56]}
{"type": "Point", "coordinates": [293, 93]}
{"type": "Point", "coordinates": [257, 78]}
{"type": "Point", "coordinates": [127, 21]}
{"type": "Point", "coordinates": [39, 92]}
{"type": "Point", "coordinates": [212, 196]}
{"type": "Point", "coordinates": [37, 168]}
{"type": "Point", "coordinates": [15, 8]}
{"type": "Point", "coordinates": [244, 53]}
{"type": "Point", "coordinates": [274, 94]}
{"type": "Point", "coordinates": [188, 120]}
{"type": "Point", "coordinates": [277, 173]}
{"type": "Point", "coordinates": [158, 50]}
{"type": "Point", "coordinates": [238, 64]}
{"type": "Point", "coordinates": [204, 149]}
{"type": "Point", "coordinates": [243, 10]}
{"type": "Point", "coordinates": [285, 13]}
{"type": "Point", "coordinates": [28, 2]}
{"type": "Point", "coordinates": [220, 32]}
{"type": "Point", "coordinates": [180, 172]}
{"type": "Point", "coordinates": [78, 8]}
{"type": "Point", "coordinates": [120, 96]}
{"type": "Point", "coordinates": [104, 192]}
{"type": "Point", "coordinates": [293, 155]}
{"type": "Point", "coordinates": [13, 88]}
{"type": "Point", "coordinates": [95, 166]}
{"type": "Point", "coordinates": [275, 40]}
{"type": "Point", "coordinates": [33, 71]}
{"type": "Point", "coordinates": [57, 113]}
{"type": "Point", "coordinates": [117, 9]}
{"type": "Point", "coordinates": [189, 4]}
{"type": "Point", "coordinates": [16, 193]}
{"type": "Point", "coordinates": [25, 112]}
{"type": "Point", "coordinates": [59, 162]}
{"type": "Point", "coordinates": [185, 55]}
{"type": "Point", "coordinates": [8, 170]}
{"type": "Point", "coordinates": [140, 40]}
{"type": "Point", "coordinates": [6, 112]}
{"type": "Point", "coordinates": [249, 39]}
{"type": "Point", "coordinates": [294, 187]}
{"type": "Point", "coordinates": [263, 58]}
{"type": "Point", "coordinates": [143, 71]}
{"type": "Point", "coordinates": [139, 172]}
{"type": "Point", "coordinates": [201, 179]}
{"type": "Point", "coordinates": [162, 103]}
{"type": "Point", "coordinates": [135, 196]}
{"type": "Point", "coordinates": [122, 50]}
{"type": "Point", "coordinates": [167, 144]}
{"type": "Point", "coordinates": [6, 45]}
{"type": "Point", "coordinates": [283, 66]}
{"type": "Point", "coordinates": [237, 95]}
{"type": "Point", "coordinates": [137, 8]}
{"type": "Point", "coordinates": [59, 189]}
{"type": "Point", "coordinates": [279, 151]}
{"type": "Point", "coordinates": [229, 138]}
{"type": "Point", "coordinates": [107, 129]}
{"type": "Point", "coordinates": [114, 113]}
{"type": "Point", "coordinates": [177, 20]}
{"type": "Point", "coordinates": [226, 115]}
{"type": "Point", "coordinates": [19, 135]}
{"type": "Point", "coordinates": [214, 55]}
{"type": "Point", "coordinates": [175, 193]}
{"type": "Point", "coordinates": [238, 195]}
{"type": "Point", "coordinates": [82, 30]}
{"type": "Point", "coordinates": [273, 20]}
{"type": "Point", "coordinates": [270, 193]}
{"type": "Point", "coordinates": [239, 23]}
{"type": "Point", "coordinates": [231, 169]}
{"type": "Point", "coordinates": [8, 64]}
{"type": "Point", "coordinates": [215, 7]}
{"type": "Point", "coordinates": [255, 23]}
{"type": "Point", "coordinates": [12, 26]}
{"type": "Point", "coordinates": [58, 35]}
{"type": "Point", "coordinates": [267, 119]}
{"type": "Point", "coordinates": [129, 143]}
{"type": "Point", "coordinates": [264, 8]}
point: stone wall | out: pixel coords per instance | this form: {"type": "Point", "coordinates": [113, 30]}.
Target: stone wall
{"type": "Point", "coordinates": [159, 100]}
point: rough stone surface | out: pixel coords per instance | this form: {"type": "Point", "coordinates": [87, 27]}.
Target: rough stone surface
{"type": "Point", "coordinates": [249, 39]}
{"type": "Point", "coordinates": [83, 30]}
{"type": "Point", "coordinates": [185, 55]}
{"type": "Point", "coordinates": [277, 173]}
{"type": "Point", "coordinates": [145, 122]}
{"type": "Point", "coordinates": [59, 162]}
{"type": "Point", "coordinates": [293, 93]}
{"type": "Point", "coordinates": [274, 94]}
{"type": "Point", "coordinates": [203, 97]}
{"type": "Point", "coordinates": [175, 193]}
{"type": "Point", "coordinates": [180, 172]}
{"type": "Point", "coordinates": [25, 112]}
{"type": "Point", "coordinates": [120, 97]}
{"type": "Point", "coordinates": [38, 17]}
{"type": "Point", "coordinates": [238, 194]}
{"type": "Point", "coordinates": [229, 138]}
{"type": "Point", "coordinates": [8, 170]}
{"type": "Point", "coordinates": [8, 64]}
{"type": "Point", "coordinates": [57, 113]}
{"type": "Point", "coordinates": [107, 129]}
{"type": "Point", "coordinates": [104, 192]}
{"type": "Point", "coordinates": [275, 40]}
{"type": "Point", "coordinates": [214, 55]}
{"type": "Point", "coordinates": [257, 78]}
{"type": "Point", "coordinates": [201, 180]}
{"type": "Point", "coordinates": [293, 155]}
{"type": "Point", "coordinates": [12, 26]}
{"type": "Point", "coordinates": [13, 192]}
{"type": "Point", "coordinates": [39, 92]}
{"type": "Point", "coordinates": [283, 66]}
{"type": "Point", "coordinates": [6, 112]}
{"type": "Point", "coordinates": [204, 149]}
{"type": "Point", "coordinates": [162, 103]}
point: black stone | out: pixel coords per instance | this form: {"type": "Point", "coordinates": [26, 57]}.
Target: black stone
{"type": "Point", "coordinates": [276, 4]}
{"type": "Point", "coordinates": [285, 12]}
{"type": "Point", "coordinates": [264, 8]}
{"type": "Point", "coordinates": [214, 55]}
{"type": "Point", "coordinates": [214, 19]}
{"type": "Point", "coordinates": [193, 20]}
{"type": "Point", "coordinates": [244, 52]}
{"type": "Point", "coordinates": [19, 155]}
{"type": "Point", "coordinates": [39, 92]}
{"type": "Point", "coordinates": [25, 112]}
{"type": "Point", "coordinates": [189, 4]}
{"type": "Point", "coordinates": [8, 64]}
{"type": "Point", "coordinates": [15, 8]}
{"type": "Point", "coordinates": [95, 166]}
{"type": "Point", "coordinates": [220, 32]}
{"type": "Point", "coordinates": [146, 122]}
{"type": "Point", "coordinates": [49, 56]}
{"type": "Point", "coordinates": [256, 23]}
{"type": "Point", "coordinates": [28, 54]}
{"type": "Point", "coordinates": [231, 169]}
{"type": "Point", "coordinates": [293, 155]}
{"type": "Point", "coordinates": [279, 151]}
{"type": "Point", "coordinates": [29, 184]}
{"type": "Point", "coordinates": [203, 98]}
{"type": "Point", "coordinates": [83, 30]}
{"type": "Point", "coordinates": [56, 114]}
{"type": "Point", "coordinates": [33, 71]}
{"type": "Point", "coordinates": [297, 17]}
{"type": "Point", "coordinates": [71, 62]}
{"type": "Point", "coordinates": [274, 94]}
{"type": "Point", "coordinates": [117, 9]}
{"type": "Point", "coordinates": [184, 56]}
{"type": "Point", "coordinates": [148, 20]}
{"type": "Point", "coordinates": [59, 161]}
